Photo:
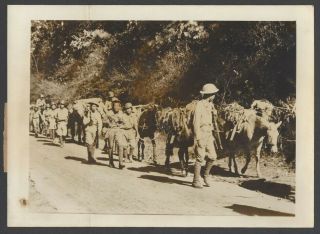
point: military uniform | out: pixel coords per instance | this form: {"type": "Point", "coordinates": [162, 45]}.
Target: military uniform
{"type": "Point", "coordinates": [203, 134]}
{"type": "Point", "coordinates": [36, 122]}
{"type": "Point", "coordinates": [131, 128]}
{"type": "Point", "coordinates": [203, 129]}
{"type": "Point", "coordinates": [93, 124]}
{"type": "Point", "coordinates": [116, 136]}
{"type": "Point", "coordinates": [62, 115]}
{"type": "Point", "coordinates": [40, 102]}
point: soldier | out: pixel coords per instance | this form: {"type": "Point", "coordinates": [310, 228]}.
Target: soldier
{"type": "Point", "coordinates": [108, 103]}
{"type": "Point", "coordinates": [52, 121]}
{"type": "Point", "coordinates": [46, 113]}
{"type": "Point", "coordinates": [116, 135]}
{"type": "Point", "coordinates": [62, 115]}
{"type": "Point", "coordinates": [41, 101]}
{"type": "Point", "coordinates": [30, 117]}
{"type": "Point", "coordinates": [93, 124]}
{"type": "Point", "coordinates": [36, 121]}
{"type": "Point", "coordinates": [105, 119]}
{"type": "Point", "coordinates": [131, 129]}
{"type": "Point", "coordinates": [203, 134]}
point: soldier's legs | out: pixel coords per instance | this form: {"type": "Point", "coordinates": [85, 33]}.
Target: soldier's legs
{"type": "Point", "coordinates": [212, 155]}
{"type": "Point", "coordinates": [199, 154]}
{"type": "Point", "coordinates": [111, 144]}
{"type": "Point", "coordinates": [121, 150]}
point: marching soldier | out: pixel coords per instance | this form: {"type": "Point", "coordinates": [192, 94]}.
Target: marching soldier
{"type": "Point", "coordinates": [108, 103]}
{"type": "Point", "coordinates": [52, 121]}
{"type": "Point", "coordinates": [36, 121]}
{"type": "Point", "coordinates": [93, 124]}
{"type": "Point", "coordinates": [62, 115]}
{"type": "Point", "coordinates": [131, 129]}
{"type": "Point", "coordinates": [41, 101]}
{"type": "Point", "coordinates": [203, 134]}
{"type": "Point", "coordinates": [30, 118]}
{"type": "Point", "coordinates": [116, 134]}
{"type": "Point", "coordinates": [46, 113]}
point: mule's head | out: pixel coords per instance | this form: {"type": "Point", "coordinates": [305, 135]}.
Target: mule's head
{"type": "Point", "coordinates": [272, 136]}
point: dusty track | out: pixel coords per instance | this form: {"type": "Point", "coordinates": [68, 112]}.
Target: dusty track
{"type": "Point", "coordinates": [61, 181]}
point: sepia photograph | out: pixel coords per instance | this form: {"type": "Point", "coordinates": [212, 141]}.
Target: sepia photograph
{"type": "Point", "coordinates": [142, 117]}
{"type": "Point", "coordinates": [186, 117]}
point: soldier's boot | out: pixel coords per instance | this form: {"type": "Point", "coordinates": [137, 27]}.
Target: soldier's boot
{"type": "Point", "coordinates": [111, 164]}
{"type": "Point", "coordinates": [206, 176]}
{"type": "Point", "coordinates": [130, 156]}
{"type": "Point", "coordinates": [121, 165]}
{"type": "Point", "coordinates": [90, 154]}
{"type": "Point", "coordinates": [61, 141]}
{"type": "Point", "coordinates": [196, 178]}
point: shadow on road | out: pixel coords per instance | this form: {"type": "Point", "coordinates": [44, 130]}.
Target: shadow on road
{"type": "Point", "coordinates": [151, 168]}
{"type": "Point", "coordinates": [164, 179]}
{"type": "Point", "coordinates": [44, 140]}
{"type": "Point", "coordinates": [255, 211]}
{"type": "Point", "coordinates": [51, 144]}
{"type": "Point", "coordinates": [83, 160]}
{"type": "Point", "coordinates": [270, 188]}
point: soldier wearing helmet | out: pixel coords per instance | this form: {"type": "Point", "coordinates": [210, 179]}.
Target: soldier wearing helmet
{"type": "Point", "coordinates": [131, 129]}
{"type": "Point", "coordinates": [62, 115]}
{"type": "Point", "coordinates": [116, 135]}
{"type": "Point", "coordinates": [36, 115]}
{"type": "Point", "coordinates": [108, 102]}
{"type": "Point", "coordinates": [41, 101]}
{"type": "Point", "coordinates": [93, 125]}
{"type": "Point", "coordinates": [52, 121]}
{"type": "Point", "coordinates": [203, 134]}
{"type": "Point", "coordinates": [46, 114]}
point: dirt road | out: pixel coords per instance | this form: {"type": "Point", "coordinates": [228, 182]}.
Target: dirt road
{"type": "Point", "coordinates": [61, 181]}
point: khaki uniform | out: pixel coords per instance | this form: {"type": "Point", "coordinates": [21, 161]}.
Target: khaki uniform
{"type": "Point", "coordinates": [36, 121]}
{"type": "Point", "coordinates": [131, 127]}
{"type": "Point", "coordinates": [61, 116]}
{"type": "Point", "coordinates": [40, 102]}
{"type": "Point", "coordinates": [203, 129]}
{"type": "Point", "coordinates": [116, 133]}
{"type": "Point", "coordinates": [107, 106]}
{"type": "Point", "coordinates": [93, 125]}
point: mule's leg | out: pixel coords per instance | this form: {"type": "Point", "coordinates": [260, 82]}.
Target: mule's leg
{"type": "Point", "coordinates": [154, 151]}
{"type": "Point", "coordinates": [181, 159]}
{"type": "Point", "coordinates": [235, 164]}
{"type": "Point", "coordinates": [169, 152]}
{"type": "Point", "coordinates": [186, 154]}
{"type": "Point", "coordinates": [139, 149]}
{"type": "Point", "coordinates": [142, 149]}
{"type": "Point", "coordinates": [257, 156]}
{"type": "Point", "coordinates": [248, 159]}
{"type": "Point", "coordinates": [230, 162]}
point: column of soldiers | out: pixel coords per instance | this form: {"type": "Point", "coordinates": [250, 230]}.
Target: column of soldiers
{"type": "Point", "coordinates": [117, 125]}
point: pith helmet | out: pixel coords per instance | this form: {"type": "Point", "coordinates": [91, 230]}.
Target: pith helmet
{"type": "Point", "coordinates": [41, 95]}
{"type": "Point", "coordinates": [48, 105]}
{"type": "Point", "coordinates": [209, 89]}
{"type": "Point", "coordinates": [53, 104]}
{"type": "Point", "coordinates": [128, 105]}
{"type": "Point", "coordinates": [62, 102]}
{"type": "Point", "coordinates": [110, 94]}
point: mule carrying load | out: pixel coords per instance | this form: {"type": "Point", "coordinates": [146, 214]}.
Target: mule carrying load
{"type": "Point", "coordinates": [245, 130]}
